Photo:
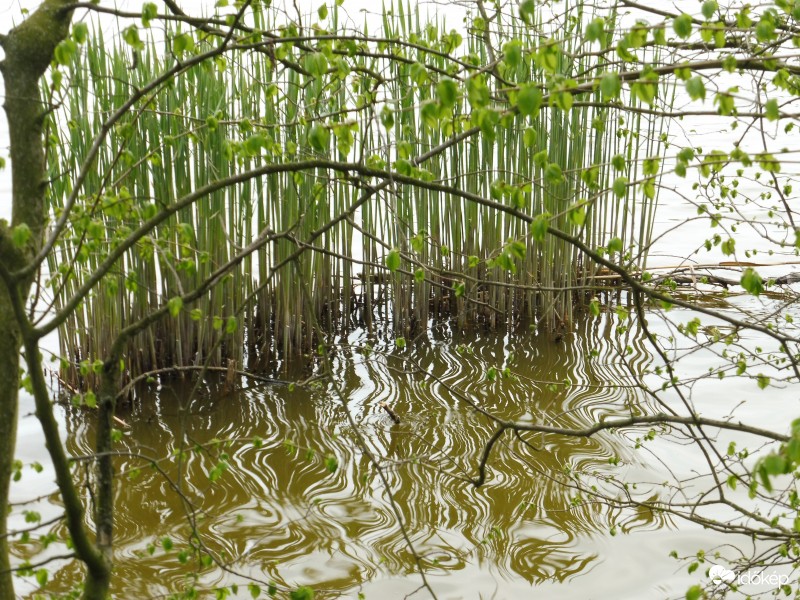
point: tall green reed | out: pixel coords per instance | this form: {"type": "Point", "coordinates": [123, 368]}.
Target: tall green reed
{"type": "Point", "coordinates": [346, 99]}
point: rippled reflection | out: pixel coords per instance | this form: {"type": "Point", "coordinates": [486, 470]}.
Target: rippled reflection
{"type": "Point", "coordinates": [276, 514]}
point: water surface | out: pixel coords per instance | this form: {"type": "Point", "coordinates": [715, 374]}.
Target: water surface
{"type": "Point", "coordinates": [278, 514]}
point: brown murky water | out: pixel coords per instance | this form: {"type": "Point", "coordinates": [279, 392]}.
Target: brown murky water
{"type": "Point", "coordinates": [277, 514]}
{"type": "Point", "coordinates": [280, 513]}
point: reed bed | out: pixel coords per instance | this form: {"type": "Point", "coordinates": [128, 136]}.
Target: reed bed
{"type": "Point", "coordinates": [346, 100]}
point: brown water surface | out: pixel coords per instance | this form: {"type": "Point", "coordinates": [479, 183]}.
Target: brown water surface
{"type": "Point", "coordinates": [277, 514]}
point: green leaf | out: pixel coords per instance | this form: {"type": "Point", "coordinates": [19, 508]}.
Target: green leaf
{"type": "Point", "coordinates": [175, 305]}
{"type": "Point", "coordinates": [41, 577]}
{"type": "Point", "coordinates": [447, 92]}
{"type": "Point", "coordinates": [149, 12]}
{"type": "Point", "coordinates": [620, 186]}
{"type": "Point", "coordinates": [709, 8]}
{"type": "Point", "coordinates": [400, 342]}
{"type": "Point", "coordinates": [419, 74]}
{"type": "Point", "coordinates": [20, 235]}
{"type": "Point", "coordinates": [751, 281]}
{"type": "Point", "coordinates": [686, 154]}
{"type": "Point", "coordinates": [696, 88]}
{"type": "Point", "coordinates": [430, 114]}
{"type": "Point", "coordinates": [418, 243]}
{"type": "Point", "coordinates": [478, 92]}
{"type": "Point", "coordinates": [316, 64]}
{"type": "Point", "coordinates": [519, 199]}
{"type": "Point", "coordinates": [648, 188]}
{"type": "Point", "coordinates": [387, 117]}
{"type": "Point", "coordinates": [504, 261]}
{"type": "Point", "coordinates": [459, 289]}
{"type": "Point", "coordinates": [331, 463]}
{"type": "Point", "coordinates": [497, 189]}
{"type": "Point", "coordinates": [131, 37]}
{"type": "Point", "coordinates": [553, 173]}
{"type": "Point", "coordinates": [80, 32]}
{"type": "Point", "coordinates": [419, 275]}
{"type": "Point", "coordinates": [527, 11]}
{"type": "Point", "coordinates": [487, 119]}
{"type": "Point", "coordinates": [182, 43]}
{"type": "Point", "coordinates": [563, 100]}
{"type": "Point", "coordinates": [512, 53]}
{"type": "Point", "coordinates": [302, 593]}
{"type": "Point", "coordinates": [539, 227]}
{"type": "Point", "coordinates": [650, 165]}
{"type": "Point", "coordinates": [725, 104]}
{"type": "Point", "coordinates": [548, 55]}
{"type": "Point", "coordinates": [529, 99]}
{"type": "Point", "coordinates": [322, 12]}
{"type": "Point", "coordinates": [215, 473]}
{"type": "Point", "coordinates": [529, 137]}
{"type": "Point", "coordinates": [771, 110]}
{"type": "Point", "coordinates": [65, 51]}
{"type": "Point", "coordinates": [762, 380]}
{"type": "Point", "coordinates": [231, 324]}
{"type": "Point", "coordinates": [90, 399]}
{"type": "Point", "coordinates": [683, 25]}
{"type": "Point", "coordinates": [595, 30]}
{"type": "Point", "coordinates": [615, 245]}
{"type": "Point", "coordinates": [775, 464]}
{"type": "Point", "coordinates": [645, 91]}
{"type": "Point", "coordinates": [728, 247]}
{"type": "Point", "coordinates": [594, 307]}
{"type": "Point", "coordinates": [694, 593]}
{"type": "Point", "coordinates": [517, 249]}
{"type": "Point", "coordinates": [393, 260]}
{"type": "Point", "coordinates": [768, 162]}
{"type": "Point", "coordinates": [319, 137]}
{"type": "Point", "coordinates": [610, 86]}
{"type": "Point", "coordinates": [765, 30]}
{"type": "Point", "coordinates": [577, 216]}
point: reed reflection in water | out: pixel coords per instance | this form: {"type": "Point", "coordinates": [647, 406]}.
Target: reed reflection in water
{"type": "Point", "coordinates": [277, 514]}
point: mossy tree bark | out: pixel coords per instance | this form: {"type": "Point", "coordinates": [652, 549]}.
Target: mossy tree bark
{"type": "Point", "coordinates": [9, 375]}
{"type": "Point", "coordinates": [29, 51]}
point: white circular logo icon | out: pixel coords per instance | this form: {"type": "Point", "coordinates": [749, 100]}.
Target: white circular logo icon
{"type": "Point", "coordinates": [720, 574]}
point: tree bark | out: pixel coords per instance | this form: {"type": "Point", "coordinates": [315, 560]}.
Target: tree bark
{"type": "Point", "coordinates": [9, 375]}
{"type": "Point", "coordinates": [28, 52]}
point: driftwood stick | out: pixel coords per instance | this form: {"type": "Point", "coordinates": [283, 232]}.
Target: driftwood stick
{"type": "Point", "coordinates": [694, 274]}
{"type": "Point", "coordinates": [389, 411]}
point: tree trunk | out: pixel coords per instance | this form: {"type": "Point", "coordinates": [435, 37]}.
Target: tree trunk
{"type": "Point", "coordinates": [28, 52]}
{"type": "Point", "coordinates": [9, 375]}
